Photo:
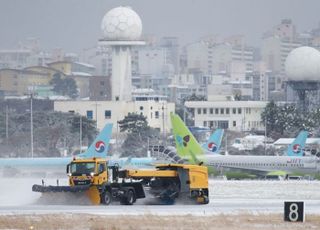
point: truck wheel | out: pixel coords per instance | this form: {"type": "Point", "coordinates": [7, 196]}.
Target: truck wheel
{"type": "Point", "coordinates": [206, 199]}
{"type": "Point", "coordinates": [130, 198]}
{"type": "Point", "coordinates": [106, 198]}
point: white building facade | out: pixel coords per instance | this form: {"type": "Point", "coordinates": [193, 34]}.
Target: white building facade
{"type": "Point", "coordinates": [155, 109]}
{"type": "Point", "coordinates": [233, 115]}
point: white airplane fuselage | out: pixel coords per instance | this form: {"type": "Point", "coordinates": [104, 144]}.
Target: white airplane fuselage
{"type": "Point", "coordinates": [264, 163]}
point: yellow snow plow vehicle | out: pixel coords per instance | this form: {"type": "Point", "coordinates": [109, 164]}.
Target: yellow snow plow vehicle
{"type": "Point", "coordinates": [105, 184]}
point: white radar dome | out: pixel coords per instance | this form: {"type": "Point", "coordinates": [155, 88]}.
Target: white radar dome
{"type": "Point", "coordinates": [303, 64]}
{"type": "Point", "coordinates": [121, 23]}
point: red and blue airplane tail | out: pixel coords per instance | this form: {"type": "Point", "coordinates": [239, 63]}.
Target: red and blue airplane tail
{"type": "Point", "coordinates": [296, 148]}
{"type": "Point", "coordinates": [99, 147]}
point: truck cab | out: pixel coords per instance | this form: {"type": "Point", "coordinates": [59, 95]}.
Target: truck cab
{"type": "Point", "coordinates": [102, 181]}
{"type": "Point", "coordinates": [87, 171]}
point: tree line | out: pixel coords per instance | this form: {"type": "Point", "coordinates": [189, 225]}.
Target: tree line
{"type": "Point", "coordinates": [53, 133]}
{"type": "Point", "coordinates": [286, 120]}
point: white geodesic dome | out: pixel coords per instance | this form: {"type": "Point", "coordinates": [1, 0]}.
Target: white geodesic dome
{"type": "Point", "coordinates": [303, 64]}
{"type": "Point", "coordinates": [121, 24]}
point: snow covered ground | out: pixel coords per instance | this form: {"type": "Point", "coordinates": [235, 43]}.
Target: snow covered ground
{"type": "Point", "coordinates": [233, 205]}
{"type": "Point", "coordinates": [16, 197]}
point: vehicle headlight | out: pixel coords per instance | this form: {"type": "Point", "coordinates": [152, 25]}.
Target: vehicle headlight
{"type": "Point", "coordinates": [69, 174]}
{"type": "Point", "coordinates": [92, 174]}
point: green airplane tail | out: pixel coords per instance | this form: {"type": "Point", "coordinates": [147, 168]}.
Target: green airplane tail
{"type": "Point", "coordinates": [186, 144]}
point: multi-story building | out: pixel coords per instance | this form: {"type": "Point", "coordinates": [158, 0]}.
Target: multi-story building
{"type": "Point", "coordinates": [154, 72]}
{"type": "Point", "coordinates": [19, 82]}
{"type": "Point", "coordinates": [101, 58]}
{"type": "Point", "coordinates": [213, 57]}
{"type": "Point", "coordinates": [183, 85]}
{"type": "Point", "coordinates": [263, 82]}
{"type": "Point", "coordinates": [171, 48]}
{"type": "Point", "coordinates": [220, 91]}
{"type": "Point", "coordinates": [233, 115]}
{"type": "Point", "coordinates": [155, 108]}
{"type": "Point", "coordinates": [100, 88]}
{"type": "Point", "coordinates": [14, 59]}
{"type": "Point", "coordinates": [80, 72]}
{"type": "Point", "coordinates": [197, 57]}
{"type": "Point", "coordinates": [276, 45]}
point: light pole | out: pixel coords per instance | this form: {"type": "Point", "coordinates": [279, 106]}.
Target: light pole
{"type": "Point", "coordinates": [7, 124]}
{"type": "Point", "coordinates": [80, 131]}
{"type": "Point", "coordinates": [226, 151]}
{"type": "Point", "coordinates": [31, 122]}
{"type": "Point", "coordinates": [163, 123]}
{"type": "Point", "coordinates": [96, 113]}
{"type": "Point", "coordinates": [265, 136]}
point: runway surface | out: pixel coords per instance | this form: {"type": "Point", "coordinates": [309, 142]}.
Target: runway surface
{"type": "Point", "coordinates": [230, 197]}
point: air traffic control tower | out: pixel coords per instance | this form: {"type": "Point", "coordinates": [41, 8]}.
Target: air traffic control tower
{"type": "Point", "coordinates": [121, 28]}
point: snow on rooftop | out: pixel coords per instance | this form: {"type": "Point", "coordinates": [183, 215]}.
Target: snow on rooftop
{"type": "Point", "coordinates": [178, 86]}
{"type": "Point", "coordinates": [240, 82]}
{"type": "Point", "coordinates": [143, 91]}
{"type": "Point", "coordinates": [287, 141]}
{"type": "Point", "coordinates": [261, 137]}
{"type": "Point", "coordinates": [17, 97]}
{"type": "Point", "coordinates": [59, 98]}
{"type": "Point", "coordinates": [81, 74]}
{"type": "Point", "coordinates": [85, 64]}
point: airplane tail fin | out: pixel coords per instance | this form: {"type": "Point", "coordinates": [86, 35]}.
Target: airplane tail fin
{"type": "Point", "coordinates": [99, 147]}
{"type": "Point", "coordinates": [214, 143]}
{"type": "Point", "coordinates": [297, 146]}
{"type": "Point", "coordinates": [186, 144]}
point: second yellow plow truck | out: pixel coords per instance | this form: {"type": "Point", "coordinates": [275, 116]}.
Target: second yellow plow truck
{"type": "Point", "coordinates": [106, 184]}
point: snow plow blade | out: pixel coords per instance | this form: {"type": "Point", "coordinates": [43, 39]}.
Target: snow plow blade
{"type": "Point", "coordinates": [94, 195]}
{"type": "Point", "coordinates": [50, 193]}
{"type": "Point", "coordinates": [49, 188]}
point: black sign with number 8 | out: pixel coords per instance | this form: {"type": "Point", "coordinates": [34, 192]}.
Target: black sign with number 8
{"type": "Point", "coordinates": [294, 211]}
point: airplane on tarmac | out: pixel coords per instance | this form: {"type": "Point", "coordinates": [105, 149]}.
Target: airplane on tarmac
{"type": "Point", "coordinates": [98, 148]}
{"type": "Point", "coordinates": [212, 145]}
{"type": "Point", "coordinates": [188, 148]}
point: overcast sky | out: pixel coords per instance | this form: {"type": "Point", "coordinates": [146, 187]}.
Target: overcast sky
{"type": "Point", "coordinates": [75, 24]}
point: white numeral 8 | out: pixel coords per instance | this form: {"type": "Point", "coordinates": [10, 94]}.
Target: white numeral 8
{"type": "Point", "coordinates": [293, 215]}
